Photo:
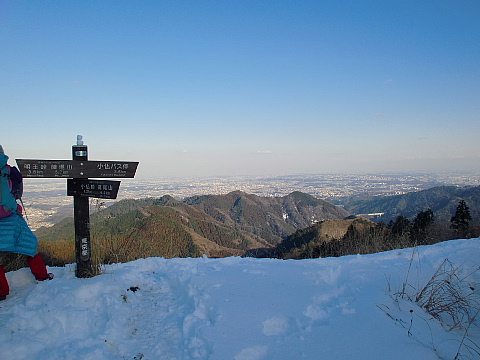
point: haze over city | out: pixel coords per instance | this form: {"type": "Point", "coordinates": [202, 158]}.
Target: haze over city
{"type": "Point", "coordinates": [46, 201]}
{"type": "Point", "coordinates": [204, 88]}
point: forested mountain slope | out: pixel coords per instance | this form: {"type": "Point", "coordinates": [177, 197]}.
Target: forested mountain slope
{"type": "Point", "coordinates": [215, 225]}
{"type": "Point", "coordinates": [443, 200]}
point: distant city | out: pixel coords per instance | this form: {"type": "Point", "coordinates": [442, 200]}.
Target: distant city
{"type": "Point", "coordinates": [46, 202]}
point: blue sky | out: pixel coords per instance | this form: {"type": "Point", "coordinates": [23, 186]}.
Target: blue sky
{"type": "Point", "coordinates": [196, 88]}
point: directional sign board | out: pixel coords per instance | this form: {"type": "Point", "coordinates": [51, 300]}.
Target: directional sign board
{"type": "Point", "coordinates": [76, 169]}
{"type": "Point", "coordinates": [104, 189]}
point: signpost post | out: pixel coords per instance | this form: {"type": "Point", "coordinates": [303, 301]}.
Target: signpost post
{"type": "Point", "coordinates": [77, 172]}
{"type": "Point", "coordinates": [81, 217]}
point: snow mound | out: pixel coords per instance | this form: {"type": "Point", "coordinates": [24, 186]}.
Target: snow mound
{"type": "Point", "coordinates": [233, 308]}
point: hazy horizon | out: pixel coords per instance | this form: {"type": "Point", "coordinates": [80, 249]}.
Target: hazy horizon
{"type": "Point", "coordinates": [244, 88]}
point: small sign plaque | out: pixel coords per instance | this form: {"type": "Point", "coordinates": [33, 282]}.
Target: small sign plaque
{"type": "Point", "coordinates": [104, 189]}
{"type": "Point", "coordinates": [85, 247]}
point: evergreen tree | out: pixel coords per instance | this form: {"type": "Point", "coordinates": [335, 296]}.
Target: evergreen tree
{"type": "Point", "coordinates": [460, 222]}
{"type": "Point", "coordinates": [401, 230]}
{"type": "Point", "coordinates": [400, 226]}
{"type": "Point", "coordinates": [421, 223]}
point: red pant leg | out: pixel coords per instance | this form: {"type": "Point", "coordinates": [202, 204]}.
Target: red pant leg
{"type": "Point", "coordinates": [37, 267]}
{"type": "Point", "coordinates": [4, 287]}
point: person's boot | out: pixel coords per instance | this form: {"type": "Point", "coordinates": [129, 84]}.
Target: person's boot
{"type": "Point", "coordinates": [38, 268]}
{"type": "Point", "coordinates": [50, 276]}
{"type": "Point", "coordinates": [4, 287]}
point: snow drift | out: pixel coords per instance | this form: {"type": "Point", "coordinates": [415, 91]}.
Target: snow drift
{"type": "Point", "coordinates": [235, 308]}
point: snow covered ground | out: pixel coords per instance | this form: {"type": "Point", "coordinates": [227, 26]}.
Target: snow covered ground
{"type": "Point", "coordinates": [235, 308]}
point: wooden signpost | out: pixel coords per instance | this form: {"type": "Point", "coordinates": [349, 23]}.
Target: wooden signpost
{"type": "Point", "coordinates": [77, 172]}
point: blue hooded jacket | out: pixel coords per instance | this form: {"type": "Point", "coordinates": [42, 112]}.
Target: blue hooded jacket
{"type": "Point", "coordinates": [15, 235]}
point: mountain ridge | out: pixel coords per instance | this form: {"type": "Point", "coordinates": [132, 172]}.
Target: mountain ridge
{"type": "Point", "coordinates": [215, 225]}
{"type": "Point", "coordinates": [241, 224]}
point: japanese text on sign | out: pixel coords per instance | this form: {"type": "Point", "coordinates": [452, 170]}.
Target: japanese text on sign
{"type": "Point", "coordinates": [114, 168]}
{"type": "Point", "coordinates": [58, 169]}
{"type": "Point", "coordinates": [98, 187]}
{"type": "Point", "coordinates": [85, 251]}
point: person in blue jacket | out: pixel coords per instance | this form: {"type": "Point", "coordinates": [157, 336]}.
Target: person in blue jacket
{"type": "Point", "coordinates": [15, 235]}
